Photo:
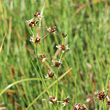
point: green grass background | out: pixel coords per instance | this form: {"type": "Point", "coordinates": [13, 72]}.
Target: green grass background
{"type": "Point", "coordinates": [89, 41]}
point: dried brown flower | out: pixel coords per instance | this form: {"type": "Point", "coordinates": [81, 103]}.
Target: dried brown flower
{"type": "Point", "coordinates": [32, 23]}
{"type": "Point", "coordinates": [63, 47]}
{"type": "Point", "coordinates": [50, 75]}
{"type": "Point", "coordinates": [83, 107]}
{"type": "Point", "coordinates": [35, 40]}
{"type": "Point", "coordinates": [53, 100]}
{"type": "Point", "coordinates": [65, 101]}
{"type": "Point", "coordinates": [43, 57]}
{"type": "Point", "coordinates": [64, 35]}
{"type": "Point", "coordinates": [108, 103]}
{"type": "Point", "coordinates": [52, 30]}
{"type": "Point", "coordinates": [56, 63]}
{"type": "Point", "coordinates": [101, 96]}
{"type": "Point", "coordinates": [76, 107]}
{"type": "Point", "coordinates": [36, 14]}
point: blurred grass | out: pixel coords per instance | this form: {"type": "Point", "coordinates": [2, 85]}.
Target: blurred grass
{"type": "Point", "coordinates": [88, 31]}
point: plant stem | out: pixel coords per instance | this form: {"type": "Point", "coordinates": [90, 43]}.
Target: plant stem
{"type": "Point", "coordinates": [20, 81]}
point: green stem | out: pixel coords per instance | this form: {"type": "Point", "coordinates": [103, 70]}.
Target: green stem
{"type": "Point", "coordinates": [41, 73]}
{"type": "Point", "coordinates": [57, 86]}
{"type": "Point", "coordinates": [20, 81]}
{"type": "Point", "coordinates": [61, 56]}
{"type": "Point", "coordinates": [50, 68]}
{"type": "Point", "coordinates": [44, 36]}
{"type": "Point", "coordinates": [48, 88]}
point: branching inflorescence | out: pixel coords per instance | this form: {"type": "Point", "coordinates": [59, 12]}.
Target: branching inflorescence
{"type": "Point", "coordinates": [35, 39]}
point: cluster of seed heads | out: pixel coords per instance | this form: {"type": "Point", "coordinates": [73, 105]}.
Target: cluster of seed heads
{"type": "Point", "coordinates": [32, 23]}
{"type": "Point", "coordinates": [79, 107]}
{"type": "Point", "coordinates": [102, 96]}
{"type": "Point", "coordinates": [36, 40]}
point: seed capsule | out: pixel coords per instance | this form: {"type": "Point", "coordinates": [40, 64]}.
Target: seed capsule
{"type": "Point", "coordinates": [64, 35]}
{"type": "Point", "coordinates": [53, 100]}
{"type": "Point", "coordinates": [101, 96]}
{"type": "Point", "coordinates": [65, 101]}
{"type": "Point", "coordinates": [43, 57]}
{"type": "Point", "coordinates": [37, 40]}
{"type": "Point", "coordinates": [36, 14]}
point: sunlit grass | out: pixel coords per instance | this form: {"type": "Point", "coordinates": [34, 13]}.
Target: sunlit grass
{"type": "Point", "coordinates": [88, 37]}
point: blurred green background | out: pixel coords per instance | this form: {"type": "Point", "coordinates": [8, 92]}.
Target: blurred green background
{"type": "Point", "coordinates": [87, 25]}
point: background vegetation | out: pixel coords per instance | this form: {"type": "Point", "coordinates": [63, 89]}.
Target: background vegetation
{"type": "Point", "coordinates": [87, 25]}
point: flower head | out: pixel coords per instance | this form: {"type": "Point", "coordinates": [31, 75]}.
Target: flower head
{"type": "Point", "coordinates": [76, 107]}
{"type": "Point", "coordinates": [35, 40]}
{"type": "Point", "coordinates": [51, 30]}
{"type": "Point", "coordinates": [50, 75]}
{"type": "Point", "coordinates": [38, 15]}
{"type": "Point", "coordinates": [43, 57]}
{"type": "Point", "coordinates": [56, 63]}
{"type": "Point", "coordinates": [32, 23]}
{"type": "Point", "coordinates": [65, 101]}
{"type": "Point", "coordinates": [101, 96]}
{"type": "Point", "coordinates": [108, 101]}
{"type": "Point", "coordinates": [83, 107]}
{"type": "Point", "coordinates": [53, 100]}
{"type": "Point", "coordinates": [64, 35]}
{"type": "Point", "coordinates": [63, 47]}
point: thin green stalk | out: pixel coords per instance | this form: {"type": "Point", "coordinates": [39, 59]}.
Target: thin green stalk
{"type": "Point", "coordinates": [45, 36]}
{"type": "Point", "coordinates": [56, 39]}
{"type": "Point", "coordinates": [50, 68]}
{"type": "Point", "coordinates": [48, 88]}
{"type": "Point", "coordinates": [41, 72]}
{"type": "Point", "coordinates": [35, 68]}
{"type": "Point", "coordinates": [57, 86]}
{"type": "Point", "coordinates": [61, 56]}
{"type": "Point", "coordinates": [20, 81]}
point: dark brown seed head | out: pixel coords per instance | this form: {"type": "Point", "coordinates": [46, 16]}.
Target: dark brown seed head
{"type": "Point", "coordinates": [101, 96]}
{"type": "Point", "coordinates": [52, 29]}
{"type": "Point", "coordinates": [31, 25]}
{"type": "Point", "coordinates": [57, 64]}
{"type": "Point", "coordinates": [62, 47]}
{"type": "Point", "coordinates": [66, 100]}
{"type": "Point", "coordinates": [37, 40]}
{"type": "Point", "coordinates": [51, 74]}
{"type": "Point", "coordinates": [53, 100]}
{"type": "Point", "coordinates": [33, 21]}
{"type": "Point", "coordinates": [37, 21]}
{"type": "Point", "coordinates": [43, 56]}
{"type": "Point", "coordinates": [108, 103]}
{"type": "Point", "coordinates": [64, 35]}
{"type": "Point", "coordinates": [83, 107]}
{"type": "Point", "coordinates": [36, 14]}
{"type": "Point", "coordinates": [76, 107]}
